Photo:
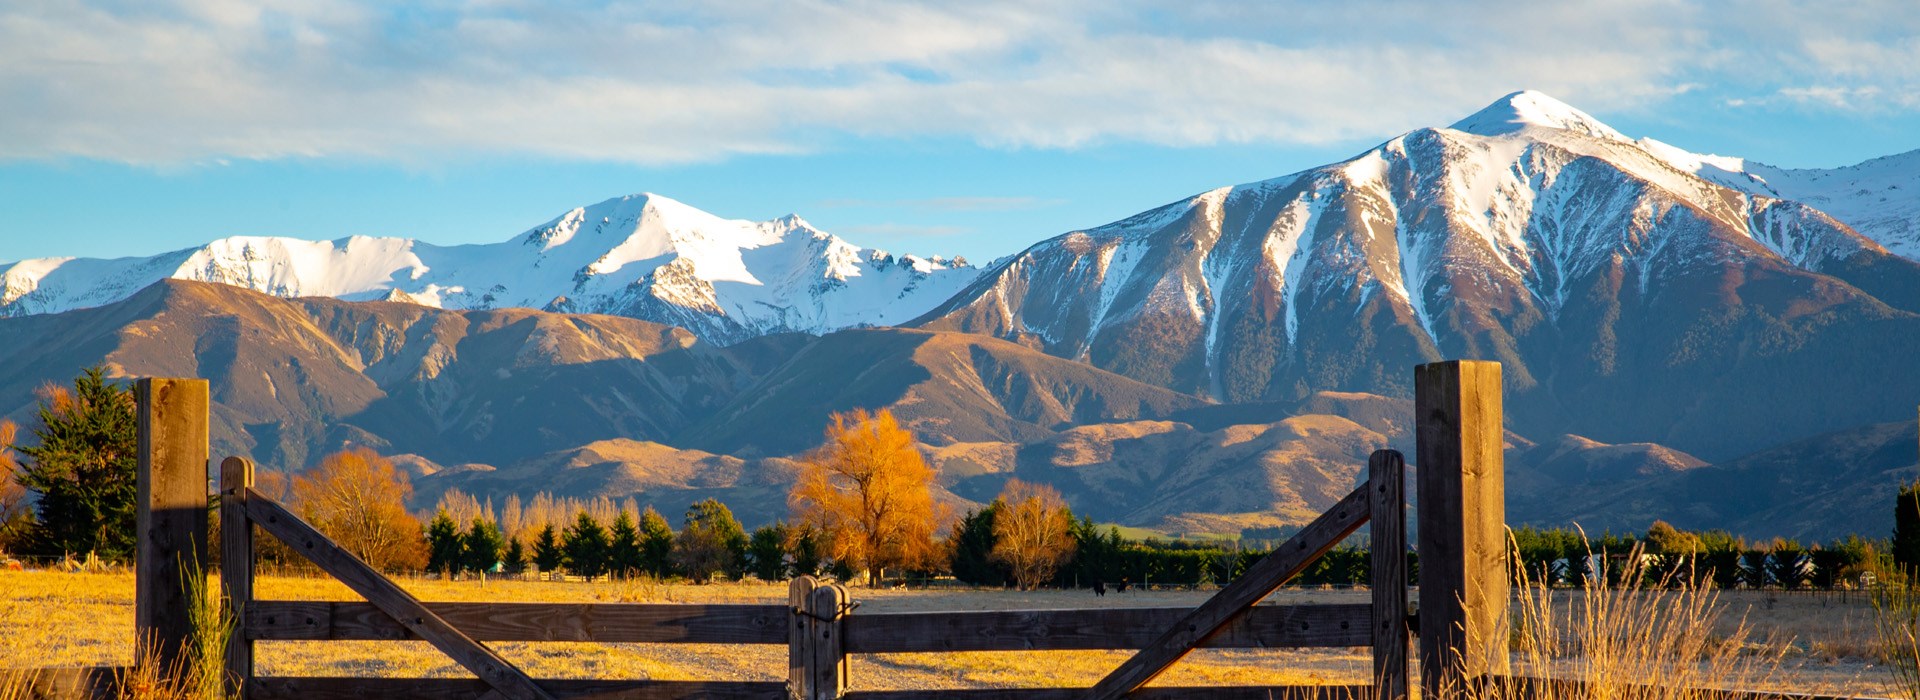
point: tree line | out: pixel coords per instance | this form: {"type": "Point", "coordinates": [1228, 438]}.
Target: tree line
{"type": "Point", "coordinates": [1666, 555]}
{"type": "Point", "coordinates": [862, 508]}
{"type": "Point", "coordinates": [710, 543]}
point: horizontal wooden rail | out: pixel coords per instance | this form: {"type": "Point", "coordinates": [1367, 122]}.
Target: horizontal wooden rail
{"type": "Point", "coordinates": [1273, 692]}
{"type": "Point", "coordinates": [1267, 626]}
{"type": "Point", "coordinates": [1271, 626]}
{"type": "Point", "coordinates": [315, 688]}
{"type": "Point", "coordinates": [528, 622]}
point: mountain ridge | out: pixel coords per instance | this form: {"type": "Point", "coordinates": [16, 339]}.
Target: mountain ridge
{"type": "Point", "coordinates": [1605, 279]}
{"type": "Point", "coordinates": [644, 256]}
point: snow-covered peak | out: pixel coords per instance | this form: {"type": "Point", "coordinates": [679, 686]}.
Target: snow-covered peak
{"type": "Point", "coordinates": [644, 255]}
{"type": "Point", "coordinates": [1532, 109]}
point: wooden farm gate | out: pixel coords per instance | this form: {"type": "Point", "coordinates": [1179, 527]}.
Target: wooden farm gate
{"type": "Point", "coordinates": [1461, 622]}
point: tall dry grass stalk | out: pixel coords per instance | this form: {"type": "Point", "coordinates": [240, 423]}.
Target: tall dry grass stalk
{"type": "Point", "coordinates": [201, 672]}
{"type": "Point", "coordinates": [1896, 608]}
{"type": "Point", "coordinates": [15, 684]}
{"type": "Point", "coordinates": [1636, 641]}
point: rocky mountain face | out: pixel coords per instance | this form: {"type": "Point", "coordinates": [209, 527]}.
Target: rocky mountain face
{"type": "Point", "coordinates": [645, 256]}
{"type": "Point", "coordinates": [1629, 300]}
{"type": "Point", "coordinates": [295, 378]}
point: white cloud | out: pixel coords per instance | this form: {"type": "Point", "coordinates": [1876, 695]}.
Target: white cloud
{"type": "Point", "coordinates": [193, 81]}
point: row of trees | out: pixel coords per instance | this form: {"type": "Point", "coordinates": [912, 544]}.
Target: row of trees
{"type": "Point", "coordinates": [998, 546]}
{"type": "Point", "coordinates": [862, 506]}
{"type": "Point", "coordinates": [1568, 557]}
{"type": "Point", "coordinates": [709, 543]}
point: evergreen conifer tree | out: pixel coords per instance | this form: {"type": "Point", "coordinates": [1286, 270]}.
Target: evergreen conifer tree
{"type": "Point", "coordinates": [972, 539]}
{"type": "Point", "coordinates": [546, 550]}
{"type": "Point", "coordinates": [515, 560]}
{"type": "Point", "coordinates": [623, 542]}
{"type": "Point", "coordinates": [444, 545]}
{"type": "Point", "coordinates": [586, 547]}
{"type": "Point", "coordinates": [656, 544]}
{"type": "Point", "coordinates": [807, 548]}
{"type": "Point", "coordinates": [767, 552]}
{"type": "Point", "coordinates": [83, 469]}
{"type": "Point", "coordinates": [480, 547]}
{"type": "Point", "coordinates": [1906, 530]}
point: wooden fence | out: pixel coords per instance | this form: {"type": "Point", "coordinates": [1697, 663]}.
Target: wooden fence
{"type": "Point", "coordinates": [1462, 619]}
{"type": "Point", "coordinates": [816, 625]}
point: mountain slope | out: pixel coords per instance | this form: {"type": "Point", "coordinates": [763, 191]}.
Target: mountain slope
{"type": "Point", "coordinates": [1816, 489]}
{"type": "Point", "coordinates": [292, 378]}
{"type": "Point", "coordinates": [643, 256]}
{"type": "Point", "coordinates": [1630, 301]}
{"type": "Point", "coordinates": [946, 387]}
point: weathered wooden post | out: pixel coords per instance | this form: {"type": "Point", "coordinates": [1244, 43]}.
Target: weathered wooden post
{"type": "Point", "coordinates": [1387, 518]}
{"type": "Point", "coordinates": [236, 567]}
{"type": "Point", "coordinates": [799, 636]}
{"type": "Point", "coordinates": [171, 521]}
{"type": "Point", "coordinates": [826, 662]}
{"type": "Point", "coordinates": [1463, 548]}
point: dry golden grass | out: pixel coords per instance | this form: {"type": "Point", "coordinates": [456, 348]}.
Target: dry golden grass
{"type": "Point", "coordinates": [86, 619]}
{"type": "Point", "coordinates": [1670, 641]}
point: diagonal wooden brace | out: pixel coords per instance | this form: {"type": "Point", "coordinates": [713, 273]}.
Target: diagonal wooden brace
{"type": "Point", "coordinates": [1232, 602]}
{"type": "Point", "coordinates": [507, 680]}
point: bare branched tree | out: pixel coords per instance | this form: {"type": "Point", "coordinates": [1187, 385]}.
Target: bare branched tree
{"type": "Point", "coordinates": [15, 511]}
{"type": "Point", "coordinates": [1032, 532]}
{"type": "Point", "coordinates": [358, 498]}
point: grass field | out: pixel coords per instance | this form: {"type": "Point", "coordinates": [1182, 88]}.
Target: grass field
{"type": "Point", "coordinates": [1823, 640]}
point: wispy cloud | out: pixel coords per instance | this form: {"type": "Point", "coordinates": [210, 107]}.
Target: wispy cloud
{"type": "Point", "coordinates": [195, 80]}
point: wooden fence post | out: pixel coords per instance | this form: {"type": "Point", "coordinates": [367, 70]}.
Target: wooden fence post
{"type": "Point", "coordinates": [171, 519]}
{"type": "Point", "coordinates": [1463, 547]}
{"type": "Point", "coordinates": [826, 659]}
{"type": "Point", "coordinates": [236, 567]}
{"type": "Point", "coordinates": [1387, 515]}
{"type": "Point", "coordinates": [799, 636]}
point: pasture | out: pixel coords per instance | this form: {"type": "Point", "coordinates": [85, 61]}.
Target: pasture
{"type": "Point", "coordinates": [1808, 642]}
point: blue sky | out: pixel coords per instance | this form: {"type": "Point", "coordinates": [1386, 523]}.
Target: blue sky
{"type": "Point", "coordinates": [971, 128]}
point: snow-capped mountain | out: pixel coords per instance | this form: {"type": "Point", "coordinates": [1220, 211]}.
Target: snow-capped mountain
{"type": "Point", "coordinates": [643, 256]}
{"type": "Point", "coordinates": [1879, 198]}
{"type": "Point", "coordinates": [1606, 278]}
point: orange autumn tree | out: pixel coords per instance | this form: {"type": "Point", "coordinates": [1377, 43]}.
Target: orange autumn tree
{"type": "Point", "coordinates": [1032, 532]}
{"type": "Point", "coordinates": [870, 493]}
{"type": "Point", "coordinates": [15, 512]}
{"type": "Point", "coordinates": [358, 498]}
